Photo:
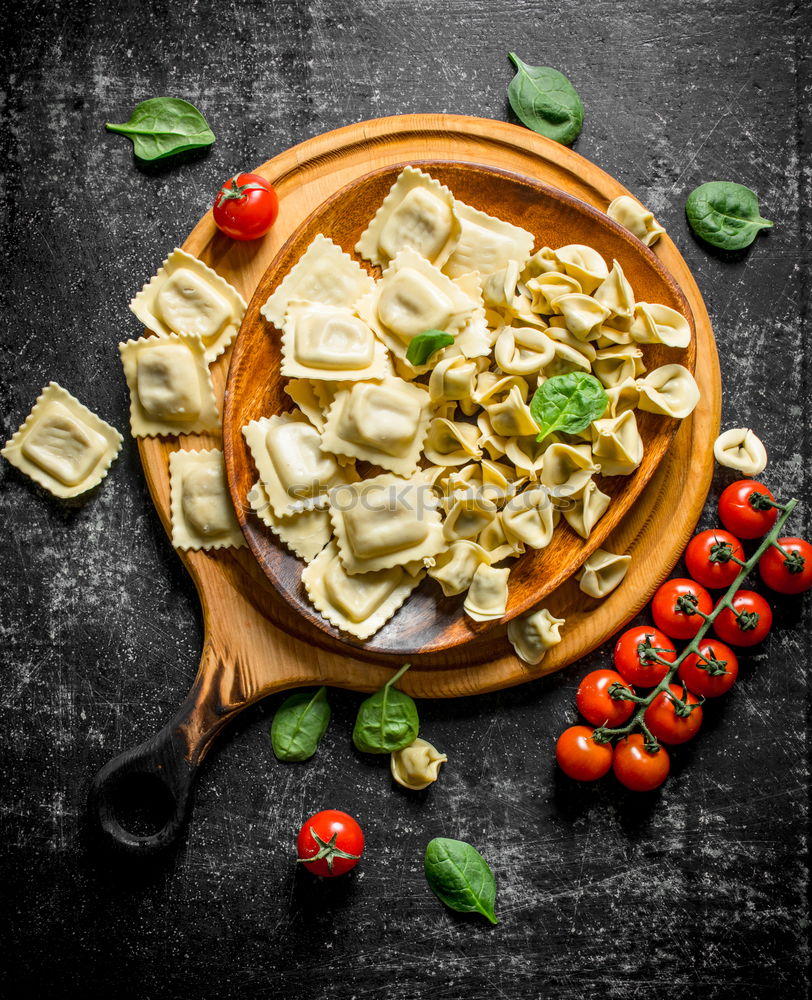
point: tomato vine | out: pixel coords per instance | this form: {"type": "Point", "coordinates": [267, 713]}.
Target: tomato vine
{"type": "Point", "coordinates": [604, 734]}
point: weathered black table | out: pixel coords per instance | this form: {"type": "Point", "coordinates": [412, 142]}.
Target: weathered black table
{"type": "Point", "coordinates": [699, 890]}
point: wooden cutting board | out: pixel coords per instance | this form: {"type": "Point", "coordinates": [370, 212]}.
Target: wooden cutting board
{"type": "Point", "coordinates": [254, 644]}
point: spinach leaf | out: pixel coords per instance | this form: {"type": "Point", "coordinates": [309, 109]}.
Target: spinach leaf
{"type": "Point", "coordinates": [567, 403]}
{"type": "Point", "coordinates": [163, 126]}
{"type": "Point", "coordinates": [299, 724]}
{"type": "Point", "coordinates": [387, 720]}
{"type": "Point", "coordinates": [725, 214]}
{"type": "Point", "coordinates": [422, 346]}
{"type": "Point", "coordinates": [460, 877]}
{"type": "Point", "coordinates": [545, 101]}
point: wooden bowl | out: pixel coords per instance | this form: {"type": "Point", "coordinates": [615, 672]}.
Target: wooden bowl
{"type": "Point", "coordinates": [428, 621]}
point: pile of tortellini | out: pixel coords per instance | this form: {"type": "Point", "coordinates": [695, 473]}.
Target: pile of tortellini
{"type": "Point", "coordinates": [454, 482]}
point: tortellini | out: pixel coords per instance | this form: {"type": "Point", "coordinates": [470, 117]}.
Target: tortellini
{"type": "Point", "coordinates": [488, 593]}
{"type": "Point", "coordinates": [523, 351]}
{"type": "Point", "coordinates": [740, 449]}
{"type": "Point", "coordinates": [404, 459]}
{"type": "Point", "coordinates": [602, 573]}
{"type": "Point", "coordinates": [530, 518]}
{"type": "Point", "coordinates": [534, 634]}
{"type": "Point", "coordinates": [670, 390]}
{"type": "Point", "coordinates": [584, 264]}
{"type": "Point", "coordinates": [417, 765]}
{"type": "Point", "coordinates": [454, 568]}
{"type": "Point", "coordinates": [617, 445]}
{"type": "Point", "coordinates": [658, 324]}
{"type": "Point", "coordinates": [638, 220]}
{"type": "Point", "coordinates": [584, 511]}
{"type": "Point", "coordinates": [615, 293]}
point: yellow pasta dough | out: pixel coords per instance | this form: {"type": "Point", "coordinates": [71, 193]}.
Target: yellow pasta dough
{"type": "Point", "coordinates": [171, 390]}
{"type": "Point", "coordinates": [187, 296]}
{"type": "Point", "coordinates": [202, 515]}
{"type": "Point", "coordinates": [62, 445]}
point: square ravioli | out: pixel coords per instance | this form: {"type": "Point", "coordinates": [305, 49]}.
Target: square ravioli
{"type": "Point", "coordinates": [292, 467]}
{"type": "Point", "coordinates": [202, 515]}
{"type": "Point", "coordinates": [385, 521]}
{"type": "Point", "coordinates": [187, 296]}
{"type": "Point", "coordinates": [418, 213]}
{"type": "Point", "coordinates": [305, 534]}
{"type": "Point", "coordinates": [170, 384]}
{"type": "Point", "coordinates": [486, 244]}
{"type": "Point", "coordinates": [62, 445]}
{"type": "Point", "coordinates": [329, 342]}
{"type": "Point", "coordinates": [414, 296]}
{"type": "Point", "coordinates": [325, 274]}
{"type": "Point", "coordinates": [380, 422]}
{"type": "Point", "coordinates": [361, 604]}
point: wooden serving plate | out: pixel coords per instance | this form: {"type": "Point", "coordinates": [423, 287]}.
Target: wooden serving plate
{"type": "Point", "coordinates": [429, 622]}
{"type": "Point", "coordinates": [255, 645]}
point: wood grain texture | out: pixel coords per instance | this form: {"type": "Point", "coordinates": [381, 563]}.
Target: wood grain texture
{"type": "Point", "coordinates": [258, 643]}
{"type": "Point", "coordinates": [231, 585]}
{"type": "Point", "coordinates": [101, 623]}
{"type": "Point", "coordinates": [429, 622]}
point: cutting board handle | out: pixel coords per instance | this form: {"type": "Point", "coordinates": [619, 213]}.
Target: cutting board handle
{"type": "Point", "coordinates": [157, 777]}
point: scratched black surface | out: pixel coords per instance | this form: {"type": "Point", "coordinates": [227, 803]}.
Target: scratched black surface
{"type": "Point", "coordinates": [698, 890]}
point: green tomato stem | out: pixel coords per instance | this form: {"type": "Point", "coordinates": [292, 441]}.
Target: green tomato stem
{"type": "Point", "coordinates": [636, 721]}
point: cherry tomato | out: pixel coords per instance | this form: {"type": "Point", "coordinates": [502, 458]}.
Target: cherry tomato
{"type": "Point", "coordinates": [665, 720]}
{"type": "Point", "coordinates": [580, 757]}
{"type": "Point", "coordinates": [637, 768]}
{"type": "Point", "coordinates": [790, 573]}
{"type": "Point", "coordinates": [713, 672]}
{"type": "Point", "coordinates": [672, 602]}
{"type": "Point", "coordinates": [751, 623]}
{"type": "Point", "coordinates": [742, 510]}
{"type": "Point", "coordinates": [708, 558]}
{"type": "Point", "coordinates": [246, 207]}
{"type": "Point", "coordinates": [597, 705]}
{"type": "Point", "coordinates": [634, 653]}
{"type": "Point", "coordinates": [330, 843]}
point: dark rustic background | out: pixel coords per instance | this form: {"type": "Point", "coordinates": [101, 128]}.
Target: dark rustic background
{"type": "Point", "coordinates": [698, 890]}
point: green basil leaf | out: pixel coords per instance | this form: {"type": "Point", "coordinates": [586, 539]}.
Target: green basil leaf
{"type": "Point", "coordinates": [568, 403]}
{"type": "Point", "coordinates": [545, 101]}
{"type": "Point", "coordinates": [422, 346]}
{"type": "Point", "coordinates": [460, 877]}
{"type": "Point", "coordinates": [163, 126]}
{"type": "Point", "coordinates": [299, 724]}
{"type": "Point", "coordinates": [725, 214]}
{"type": "Point", "coordinates": [387, 721]}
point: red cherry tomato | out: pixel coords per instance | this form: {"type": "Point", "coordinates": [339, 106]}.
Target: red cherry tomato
{"type": "Point", "coordinates": [672, 603]}
{"type": "Point", "coordinates": [751, 623]}
{"type": "Point", "coordinates": [634, 653]}
{"type": "Point", "coordinates": [330, 843]}
{"type": "Point", "coordinates": [580, 757]}
{"type": "Point", "coordinates": [708, 558]}
{"type": "Point", "coordinates": [664, 718]}
{"type": "Point", "coordinates": [637, 768]}
{"type": "Point", "coordinates": [597, 705]}
{"type": "Point", "coordinates": [742, 510]}
{"type": "Point", "coordinates": [790, 572]}
{"type": "Point", "coordinates": [713, 672]}
{"type": "Point", "coordinates": [246, 207]}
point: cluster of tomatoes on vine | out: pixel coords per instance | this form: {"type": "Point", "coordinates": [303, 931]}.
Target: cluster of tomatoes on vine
{"type": "Point", "coordinates": [631, 728]}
